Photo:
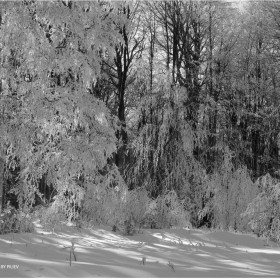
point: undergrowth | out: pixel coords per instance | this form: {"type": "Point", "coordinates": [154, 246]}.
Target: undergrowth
{"type": "Point", "coordinates": [14, 221]}
{"type": "Point", "coordinates": [129, 211]}
{"type": "Point", "coordinates": [264, 211]}
{"type": "Point", "coordinates": [50, 215]}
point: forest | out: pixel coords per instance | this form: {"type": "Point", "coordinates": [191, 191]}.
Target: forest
{"type": "Point", "coordinates": [140, 114]}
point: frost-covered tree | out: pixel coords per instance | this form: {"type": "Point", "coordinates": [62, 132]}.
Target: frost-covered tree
{"type": "Point", "coordinates": [51, 124]}
{"type": "Point", "coordinates": [119, 72]}
{"type": "Point", "coordinates": [164, 146]}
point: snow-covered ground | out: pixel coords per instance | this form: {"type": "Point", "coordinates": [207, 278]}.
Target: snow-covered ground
{"type": "Point", "coordinates": [153, 253]}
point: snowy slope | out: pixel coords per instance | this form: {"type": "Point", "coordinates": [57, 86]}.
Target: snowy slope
{"type": "Point", "coordinates": [165, 253]}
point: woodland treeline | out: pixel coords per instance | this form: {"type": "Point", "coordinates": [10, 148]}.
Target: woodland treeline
{"type": "Point", "coordinates": [141, 113]}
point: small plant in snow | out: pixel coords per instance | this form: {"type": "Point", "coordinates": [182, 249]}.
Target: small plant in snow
{"type": "Point", "coordinates": [143, 261]}
{"type": "Point", "coordinates": [71, 251]}
{"type": "Point", "coordinates": [171, 265]}
{"type": "Point", "coordinates": [11, 239]}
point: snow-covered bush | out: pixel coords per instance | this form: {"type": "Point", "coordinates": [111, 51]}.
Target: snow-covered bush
{"type": "Point", "coordinates": [50, 215]}
{"type": "Point", "coordinates": [129, 211]}
{"type": "Point", "coordinates": [264, 211]}
{"type": "Point", "coordinates": [137, 210]}
{"type": "Point", "coordinates": [227, 193]}
{"type": "Point", "coordinates": [13, 220]}
{"type": "Point", "coordinates": [117, 207]}
{"type": "Point", "coordinates": [93, 210]}
{"type": "Point", "coordinates": [136, 205]}
{"type": "Point", "coordinates": [165, 212]}
{"type": "Point", "coordinates": [101, 201]}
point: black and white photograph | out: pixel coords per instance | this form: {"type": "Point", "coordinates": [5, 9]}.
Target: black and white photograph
{"type": "Point", "coordinates": [140, 139]}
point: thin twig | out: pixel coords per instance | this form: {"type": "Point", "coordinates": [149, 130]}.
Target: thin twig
{"type": "Point", "coordinates": [171, 266]}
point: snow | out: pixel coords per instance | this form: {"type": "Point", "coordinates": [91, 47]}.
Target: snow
{"type": "Point", "coordinates": [151, 253]}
